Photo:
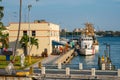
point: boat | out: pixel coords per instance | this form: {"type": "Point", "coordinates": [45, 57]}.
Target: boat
{"type": "Point", "coordinates": [87, 41]}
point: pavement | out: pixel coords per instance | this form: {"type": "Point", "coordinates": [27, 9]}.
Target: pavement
{"type": "Point", "coordinates": [48, 60]}
{"type": "Point", "coordinates": [2, 71]}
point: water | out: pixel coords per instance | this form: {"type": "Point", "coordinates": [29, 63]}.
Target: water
{"type": "Point", "coordinates": [92, 61]}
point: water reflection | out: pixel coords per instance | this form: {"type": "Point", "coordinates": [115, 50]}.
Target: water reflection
{"type": "Point", "coordinates": [89, 60]}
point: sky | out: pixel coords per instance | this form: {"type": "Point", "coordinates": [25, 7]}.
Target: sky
{"type": "Point", "coordinates": [69, 14]}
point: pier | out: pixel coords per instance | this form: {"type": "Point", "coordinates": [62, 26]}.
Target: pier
{"type": "Point", "coordinates": [53, 67]}
{"type": "Point", "coordinates": [66, 57]}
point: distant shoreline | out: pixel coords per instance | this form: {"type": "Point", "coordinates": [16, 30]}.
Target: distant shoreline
{"type": "Point", "coordinates": [98, 34]}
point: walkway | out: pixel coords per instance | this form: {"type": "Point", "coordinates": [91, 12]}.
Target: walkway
{"type": "Point", "coordinates": [48, 60]}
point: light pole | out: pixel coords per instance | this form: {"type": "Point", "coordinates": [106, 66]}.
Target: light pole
{"type": "Point", "coordinates": [29, 57]}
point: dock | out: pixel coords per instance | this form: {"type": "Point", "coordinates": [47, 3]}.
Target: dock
{"type": "Point", "coordinates": [66, 57]}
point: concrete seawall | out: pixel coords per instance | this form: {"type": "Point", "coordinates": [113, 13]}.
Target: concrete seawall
{"type": "Point", "coordinates": [65, 58]}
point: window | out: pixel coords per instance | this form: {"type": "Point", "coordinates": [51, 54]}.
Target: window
{"type": "Point", "coordinates": [33, 33]}
{"type": "Point", "coordinates": [24, 32]}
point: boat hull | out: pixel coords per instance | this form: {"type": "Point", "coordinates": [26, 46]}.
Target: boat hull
{"type": "Point", "coordinates": [96, 48]}
{"type": "Point", "coordinates": [87, 52]}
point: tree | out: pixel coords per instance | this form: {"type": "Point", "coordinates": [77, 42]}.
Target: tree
{"type": "Point", "coordinates": [18, 34]}
{"type": "Point", "coordinates": [34, 42]}
{"type": "Point", "coordinates": [4, 40]}
{"type": "Point", "coordinates": [25, 43]}
{"type": "Point", "coordinates": [1, 14]}
{"type": "Point", "coordinates": [3, 37]}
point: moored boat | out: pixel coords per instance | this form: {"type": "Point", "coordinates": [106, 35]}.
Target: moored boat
{"type": "Point", "coordinates": [88, 42]}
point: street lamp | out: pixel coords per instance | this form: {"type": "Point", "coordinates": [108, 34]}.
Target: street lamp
{"type": "Point", "coordinates": [29, 57]}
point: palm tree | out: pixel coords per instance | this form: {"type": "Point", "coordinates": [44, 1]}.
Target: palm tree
{"type": "Point", "coordinates": [34, 42]}
{"type": "Point", "coordinates": [1, 14]}
{"type": "Point", "coordinates": [25, 42]}
{"type": "Point", "coordinates": [19, 26]}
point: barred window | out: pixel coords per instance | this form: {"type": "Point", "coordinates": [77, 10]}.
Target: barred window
{"type": "Point", "coordinates": [24, 32]}
{"type": "Point", "coordinates": [33, 33]}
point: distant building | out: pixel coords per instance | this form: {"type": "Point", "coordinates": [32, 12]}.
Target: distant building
{"type": "Point", "coordinates": [44, 31]}
{"type": "Point", "coordinates": [63, 30]}
{"type": "Point", "coordinates": [77, 30]}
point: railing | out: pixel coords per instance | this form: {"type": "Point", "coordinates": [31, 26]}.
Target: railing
{"type": "Point", "coordinates": [69, 73]}
{"type": "Point", "coordinates": [71, 66]}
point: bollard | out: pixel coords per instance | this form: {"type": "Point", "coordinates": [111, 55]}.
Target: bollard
{"type": "Point", "coordinates": [67, 71]}
{"type": "Point", "coordinates": [59, 66]}
{"type": "Point", "coordinates": [31, 70]}
{"type": "Point", "coordinates": [118, 72]}
{"type": "Point", "coordinates": [93, 71]}
{"type": "Point", "coordinates": [80, 66]}
{"type": "Point", "coordinates": [43, 70]}
{"type": "Point", "coordinates": [110, 66]}
{"type": "Point", "coordinates": [103, 66]}
{"type": "Point", "coordinates": [39, 65]}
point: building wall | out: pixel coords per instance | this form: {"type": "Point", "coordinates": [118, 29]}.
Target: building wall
{"type": "Point", "coordinates": [45, 33]}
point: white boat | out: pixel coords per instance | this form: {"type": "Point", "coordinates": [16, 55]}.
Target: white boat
{"type": "Point", "coordinates": [88, 43]}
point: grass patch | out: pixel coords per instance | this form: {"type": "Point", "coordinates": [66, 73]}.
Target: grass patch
{"type": "Point", "coordinates": [17, 65]}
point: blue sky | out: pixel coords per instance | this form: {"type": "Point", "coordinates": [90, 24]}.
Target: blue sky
{"type": "Point", "coordinates": [69, 14]}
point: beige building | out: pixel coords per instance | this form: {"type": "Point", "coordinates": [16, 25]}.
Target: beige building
{"type": "Point", "coordinates": [45, 32]}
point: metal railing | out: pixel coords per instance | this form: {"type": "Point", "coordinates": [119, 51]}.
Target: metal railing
{"type": "Point", "coordinates": [71, 66]}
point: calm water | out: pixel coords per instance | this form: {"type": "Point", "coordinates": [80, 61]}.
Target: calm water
{"type": "Point", "coordinates": [92, 61]}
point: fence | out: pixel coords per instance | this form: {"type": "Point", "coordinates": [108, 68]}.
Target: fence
{"type": "Point", "coordinates": [71, 66]}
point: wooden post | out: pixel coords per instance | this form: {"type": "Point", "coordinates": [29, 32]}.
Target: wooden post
{"type": "Point", "coordinates": [31, 70]}
{"type": "Point", "coordinates": [39, 65]}
{"type": "Point", "coordinates": [118, 72]}
{"type": "Point", "coordinates": [67, 71]}
{"type": "Point", "coordinates": [103, 66]}
{"type": "Point", "coordinates": [110, 66]}
{"type": "Point", "coordinates": [59, 66]}
{"type": "Point", "coordinates": [93, 71]}
{"type": "Point", "coordinates": [80, 66]}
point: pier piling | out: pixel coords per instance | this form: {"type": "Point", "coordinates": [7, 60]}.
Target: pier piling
{"type": "Point", "coordinates": [103, 66]}
{"type": "Point", "coordinates": [80, 66]}
{"type": "Point", "coordinates": [43, 71]}
{"type": "Point", "coordinates": [118, 72]}
{"type": "Point", "coordinates": [93, 71]}
{"type": "Point", "coordinates": [67, 71]}
{"type": "Point", "coordinates": [59, 66]}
